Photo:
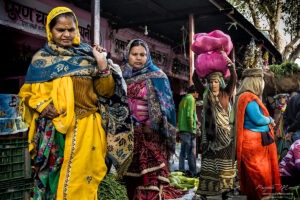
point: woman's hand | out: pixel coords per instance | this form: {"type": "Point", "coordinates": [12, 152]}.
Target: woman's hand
{"type": "Point", "coordinates": [100, 56]}
{"type": "Point", "coordinates": [49, 112]}
{"type": "Point", "coordinates": [272, 121]}
{"type": "Point", "coordinates": [229, 62]}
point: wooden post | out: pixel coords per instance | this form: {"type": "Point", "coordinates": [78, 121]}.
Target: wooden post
{"type": "Point", "coordinates": [191, 36]}
{"type": "Point", "coordinates": [233, 60]}
{"type": "Point", "coordinates": [95, 22]}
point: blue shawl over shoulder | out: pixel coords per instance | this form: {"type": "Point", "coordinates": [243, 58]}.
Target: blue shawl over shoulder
{"type": "Point", "coordinates": [162, 88]}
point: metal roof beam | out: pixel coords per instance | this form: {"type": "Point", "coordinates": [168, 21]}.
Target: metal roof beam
{"type": "Point", "coordinates": [119, 23]}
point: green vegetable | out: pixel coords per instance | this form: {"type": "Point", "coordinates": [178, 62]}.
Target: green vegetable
{"type": "Point", "coordinates": [184, 186]}
{"type": "Point", "coordinates": [178, 173]}
{"type": "Point", "coordinates": [111, 189]}
{"type": "Point", "coordinates": [175, 179]}
{"type": "Point", "coordinates": [183, 182]}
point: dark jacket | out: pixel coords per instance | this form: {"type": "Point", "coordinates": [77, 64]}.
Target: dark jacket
{"type": "Point", "coordinates": [292, 114]}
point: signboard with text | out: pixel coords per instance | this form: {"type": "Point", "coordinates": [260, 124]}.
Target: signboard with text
{"type": "Point", "coordinates": [31, 17]}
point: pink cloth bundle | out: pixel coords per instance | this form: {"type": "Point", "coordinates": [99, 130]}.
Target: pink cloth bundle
{"type": "Point", "coordinates": [213, 41]}
{"type": "Point", "coordinates": [209, 62]}
{"type": "Point", "coordinates": [209, 47]}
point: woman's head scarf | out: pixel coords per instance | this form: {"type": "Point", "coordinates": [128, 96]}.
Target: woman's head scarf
{"type": "Point", "coordinates": [54, 13]}
{"type": "Point", "coordinates": [128, 70]}
{"type": "Point", "coordinates": [252, 81]}
{"type": "Point", "coordinates": [217, 76]}
{"type": "Point", "coordinates": [59, 61]}
{"type": "Point", "coordinates": [207, 92]}
{"type": "Point", "coordinates": [208, 96]}
{"type": "Point", "coordinates": [153, 75]}
{"type": "Point", "coordinates": [278, 96]}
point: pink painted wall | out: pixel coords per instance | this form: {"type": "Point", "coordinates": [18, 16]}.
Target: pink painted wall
{"type": "Point", "coordinates": [114, 41]}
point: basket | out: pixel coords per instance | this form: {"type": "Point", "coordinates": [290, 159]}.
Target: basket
{"type": "Point", "coordinates": [14, 157]}
{"type": "Point", "coordinates": [16, 189]}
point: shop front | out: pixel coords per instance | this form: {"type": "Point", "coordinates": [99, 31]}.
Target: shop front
{"type": "Point", "coordinates": [22, 25]}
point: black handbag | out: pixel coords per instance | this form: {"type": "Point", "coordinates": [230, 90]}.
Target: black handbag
{"type": "Point", "coordinates": [266, 138]}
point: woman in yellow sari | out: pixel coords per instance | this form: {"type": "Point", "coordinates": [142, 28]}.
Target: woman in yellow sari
{"type": "Point", "coordinates": [65, 84]}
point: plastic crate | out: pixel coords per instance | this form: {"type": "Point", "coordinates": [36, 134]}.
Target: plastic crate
{"type": "Point", "coordinates": [16, 189]}
{"type": "Point", "coordinates": [14, 157]}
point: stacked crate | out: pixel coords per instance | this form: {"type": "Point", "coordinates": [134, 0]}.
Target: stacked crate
{"type": "Point", "coordinates": [15, 167]}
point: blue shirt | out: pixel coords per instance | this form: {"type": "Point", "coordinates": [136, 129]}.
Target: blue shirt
{"type": "Point", "coordinates": [255, 119]}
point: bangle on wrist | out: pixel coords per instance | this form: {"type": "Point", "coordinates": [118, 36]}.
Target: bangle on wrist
{"type": "Point", "coordinates": [104, 69]}
{"type": "Point", "coordinates": [104, 72]}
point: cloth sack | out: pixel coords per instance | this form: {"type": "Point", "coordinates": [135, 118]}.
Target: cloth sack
{"type": "Point", "coordinates": [209, 62]}
{"type": "Point", "coordinates": [214, 41]}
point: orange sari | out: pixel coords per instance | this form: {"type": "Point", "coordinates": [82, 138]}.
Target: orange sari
{"type": "Point", "coordinates": [257, 165]}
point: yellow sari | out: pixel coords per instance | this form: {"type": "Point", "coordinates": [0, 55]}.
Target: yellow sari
{"type": "Point", "coordinates": [69, 151]}
{"type": "Point", "coordinates": [85, 142]}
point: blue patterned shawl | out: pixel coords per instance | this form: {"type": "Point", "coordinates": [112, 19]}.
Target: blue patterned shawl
{"type": "Point", "coordinates": [53, 61]}
{"type": "Point", "coordinates": [157, 78]}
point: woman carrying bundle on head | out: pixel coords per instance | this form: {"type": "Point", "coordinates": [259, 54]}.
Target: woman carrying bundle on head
{"type": "Point", "coordinates": [217, 168]}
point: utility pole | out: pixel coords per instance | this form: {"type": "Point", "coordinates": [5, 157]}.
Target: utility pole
{"type": "Point", "coordinates": [95, 21]}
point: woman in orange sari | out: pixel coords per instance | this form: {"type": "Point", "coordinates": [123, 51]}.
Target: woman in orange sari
{"type": "Point", "coordinates": [257, 161]}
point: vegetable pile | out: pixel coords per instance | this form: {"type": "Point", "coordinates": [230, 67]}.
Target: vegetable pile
{"type": "Point", "coordinates": [111, 189]}
{"type": "Point", "coordinates": [179, 181]}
